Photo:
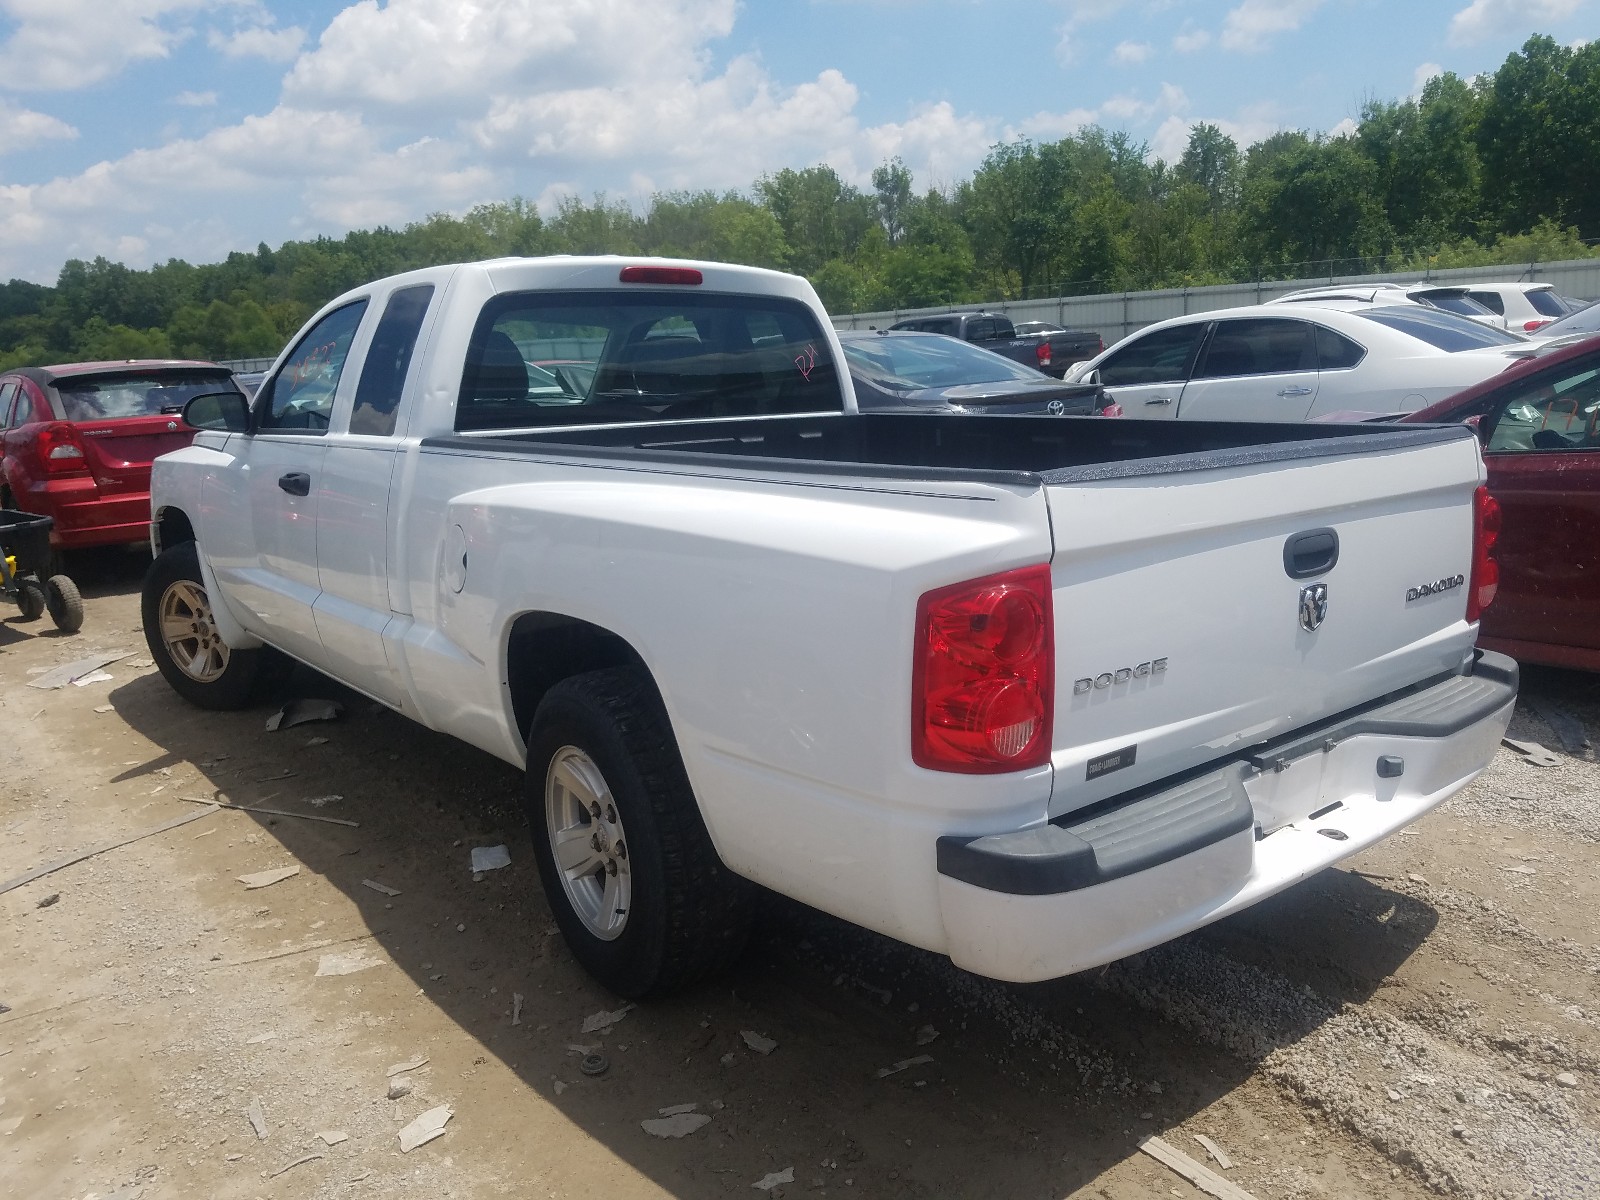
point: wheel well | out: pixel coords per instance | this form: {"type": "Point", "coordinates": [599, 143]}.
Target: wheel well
{"type": "Point", "coordinates": [546, 648]}
{"type": "Point", "coordinates": [172, 529]}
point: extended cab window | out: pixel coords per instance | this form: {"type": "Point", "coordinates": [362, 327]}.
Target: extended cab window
{"type": "Point", "coordinates": [569, 358]}
{"type": "Point", "coordinates": [1555, 412]}
{"type": "Point", "coordinates": [383, 375]}
{"type": "Point", "coordinates": [299, 397]}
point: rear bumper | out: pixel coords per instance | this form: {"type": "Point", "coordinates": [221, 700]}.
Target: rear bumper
{"type": "Point", "coordinates": [1144, 868]}
{"type": "Point", "coordinates": [85, 516]}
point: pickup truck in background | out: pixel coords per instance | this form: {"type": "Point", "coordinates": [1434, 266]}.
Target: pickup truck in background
{"type": "Point", "coordinates": [1051, 351]}
{"type": "Point", "coordinates": [1031, 692]}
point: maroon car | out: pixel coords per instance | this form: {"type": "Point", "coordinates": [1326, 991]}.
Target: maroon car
{"type": "Point", "coordinates": [77, 440]}
{"type": "Point", "coordinates": [1539, 424]}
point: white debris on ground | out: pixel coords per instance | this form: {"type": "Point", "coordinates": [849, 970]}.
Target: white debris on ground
{"type": "Point", "coordinates": [261, 879]}
{"type": "Point", "coordinates": [425, 1128]}
{"type": "Point", "coordinates": [346, 964]}
{"type": "Point", "coordinates": [760, 1043]}
{"type": "Point", "coordinates": [602, 1021]}
{"type": "Point", "coordinates": [676, 1126]}
{"type": "Point", "coordinates": [767, 1182]}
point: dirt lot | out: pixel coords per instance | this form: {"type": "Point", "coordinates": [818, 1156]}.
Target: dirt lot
{"type": "Point", "coordinates": [1425, 1020]}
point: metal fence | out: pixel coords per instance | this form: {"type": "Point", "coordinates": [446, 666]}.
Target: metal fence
{"type": "Point", "coordinates": [1115, 315]}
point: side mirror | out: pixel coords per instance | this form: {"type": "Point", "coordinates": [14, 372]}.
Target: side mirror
{"type": "Point", "coordinates": [1093, 377]}
{"type": "Point", "coordinates": [225, 412]}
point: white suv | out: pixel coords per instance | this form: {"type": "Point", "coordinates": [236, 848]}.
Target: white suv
{"type": "Point", "coordinates": [1444, 297]}
{"type": "Point", "coordinates": [1525, 306]}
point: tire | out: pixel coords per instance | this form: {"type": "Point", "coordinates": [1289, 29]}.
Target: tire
{"type": "Point", "coordinates": [200, 668]}
{"type": "Point", "coordinates": [602, 737]}
{"type": "Point", "coordinates": [65, 603]}
{"type": "Point", "coordinates": [30, 599]}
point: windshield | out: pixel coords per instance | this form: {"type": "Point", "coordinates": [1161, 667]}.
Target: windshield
{"type": "Point", "coordinates": [1441, 330]}
{"type": "Point", "coordinates": [141, 394]}
{"type": "Point", "coordinates": [908, 362]}
{"type": "Point", "coordinates": [1585, 320]}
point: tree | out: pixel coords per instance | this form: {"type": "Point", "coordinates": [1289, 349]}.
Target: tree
{"type": "Point", "coordinates": [892, 183]}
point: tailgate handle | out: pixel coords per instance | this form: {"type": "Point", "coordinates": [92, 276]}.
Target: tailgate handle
{"type": "Point", "coordinates": [1310, 553]}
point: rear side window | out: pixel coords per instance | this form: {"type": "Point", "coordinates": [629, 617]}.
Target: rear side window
{"type": "Point", "coordinates": [136, 394]}
{"type": "Point", "coordinates": [1443, 331]}
{"type": "Point", "coordinates": [1547, 304]}
{"type": "Point", "coordinates": [1257, 346]}
{"type": "Point", "coordinates": [1335, 352]}
{"type": "Point", "coordinates": [388, 359]}
{"type": "Point", "coordinates": [1493, 301]}
{"type": "Point", "coordinates": [299, 398]}
{"type": "Point", "coordinates": [1159, 357]}
{"type": "Point", "coordinates": [569, 358]}
{"type": "Point", "coordinates": [1553, 411]}
{"type": "Point", "coordinates": [8, 393]}
{"type": "Point", "coordinates": [1454, 302]}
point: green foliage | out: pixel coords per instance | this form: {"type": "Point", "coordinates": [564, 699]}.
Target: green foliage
{"type": "Point", "coordinates": [1498, 170]}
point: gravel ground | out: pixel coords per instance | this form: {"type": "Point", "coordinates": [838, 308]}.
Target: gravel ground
{"type": "Point", "coordinates": [1422, 1020]}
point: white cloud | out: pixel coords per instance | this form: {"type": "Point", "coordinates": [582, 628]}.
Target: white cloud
{"type": "Point", "coordinates": [1251, 124]}
{"type": "Point", "coordinates": [1120, 110]}
{"type": "Point", "coordinates": [195, 99]}
{"type": "Point", "coordinates": [1345, 128]}
{"type": "Point", "coordinates": [1080, 13]}
{"type": "Point", "coordinates": [1483, 20]}
{"type": "Point", "coordinates": [22, 127]}
{"type": "Point", "coordinates": [1191, 40]}
{"type": "Point", "coordinates": [1420, 77]}
{"type": "Point", "coordinates": [1130, 53]}
{"type": "Point", "coordinates": [259, 41]}
{"type": "Point", "coordinates": [60, 45]}
{"type": "Point", "coordinates": [1251, 27]}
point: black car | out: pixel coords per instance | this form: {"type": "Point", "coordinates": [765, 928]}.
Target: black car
{"type": "Point", "coordinates": [895, 370]}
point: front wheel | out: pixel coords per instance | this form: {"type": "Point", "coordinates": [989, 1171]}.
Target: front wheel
{"type": "Point", "coordinates": [182, 635]}
{"type": "Point", "coordinates": [635, 885]}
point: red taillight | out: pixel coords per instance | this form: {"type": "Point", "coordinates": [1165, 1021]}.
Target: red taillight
{"type": "Point", "coordinates": [1112, 410]}
{"type": "Point", "coordinates": [660, 275]}
{"type": "Point", "coordinates": [1102, 342]}
{"type": "Point", "coordinates": [1485, 580]}
{"type": "Point", "coordinates": [1530, 326]}
{"type": "Point", "coordinates": [983, 675]}
{"type": "Point", "coordinates": [60, 448]}
{"type": "Point", "coordinates": [1042, 353]}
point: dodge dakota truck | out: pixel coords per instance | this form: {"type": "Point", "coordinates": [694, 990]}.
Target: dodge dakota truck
{"type": "Point", "coordinates": [1031, 692]}
{"type": "Point", "coordinates": [1051, 350]}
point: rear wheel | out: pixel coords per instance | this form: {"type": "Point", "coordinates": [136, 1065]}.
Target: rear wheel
{"type": "Point", "coordinates": [181, 631]}
{"type": "Point", "coordinates": [30, 599]}
{"type": "Point", "coordinates": [65, 603]}
{"type": "Point", "coordinates": [634, 883]}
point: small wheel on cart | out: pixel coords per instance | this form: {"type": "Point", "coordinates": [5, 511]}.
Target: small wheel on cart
{"type": "Point", "coordinates": [30, 599]}
{"type": "Point", "coordinates": [62, 598]}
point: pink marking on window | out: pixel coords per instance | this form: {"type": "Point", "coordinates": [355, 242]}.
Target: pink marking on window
{"type": "Point", "coordinates": [807, 362]}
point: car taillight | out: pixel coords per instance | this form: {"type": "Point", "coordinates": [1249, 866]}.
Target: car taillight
{"type": "Point", "coordinates": [1485, 580]}
{"type": "Point", "coordinates": [60, 448]}
{"type": "Point", "coordinates": [1102, 342]}
{"type": "Point", "coordinates": [675, 275]}
{"type": "Point", "coordinates": [1530, 326]}
{"type": "Point", "coordinates": [1042, 353]}
{"type": "Point", "coordinates": [983, 674]}
{"type": "Point", "coordinates": [1112, 409]}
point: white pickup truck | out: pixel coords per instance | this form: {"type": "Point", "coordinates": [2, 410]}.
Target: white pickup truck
{"type": "Point", "coordinates": [1032, 692]}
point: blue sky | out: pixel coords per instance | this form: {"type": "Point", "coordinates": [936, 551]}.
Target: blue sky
{"type": "Point", "coordinates": [150, 129]}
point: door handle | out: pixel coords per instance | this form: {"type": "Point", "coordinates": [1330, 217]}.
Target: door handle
{"type": "Point", "coordinates": [1295, 391]}
{"type": "Point", "coordinates": [1159, 400]}
{"type": "Point", "coordinates": [296, 483]}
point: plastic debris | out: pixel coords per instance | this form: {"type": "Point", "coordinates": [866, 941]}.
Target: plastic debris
{"type": "Point", "coordinates": [93, 677]}
{"type": "Point", "coordinates": [424, 1129]}
{"type": "Point", "coordinates": [927, 1035]}
{"type": "Point", "coordinates": [298, 712]}
{"type": "Point", "coordinates": [1216, 1152]}
{"type": "Point", "coordinates": [317, 741]}
{"type": "Point", "coordinates": [402, 1067]}
{"type": "Point", "coordinates": [105, 708]}
{"type": "Point", "coordinates": [332, 1137]}
{"type": "Point", "coordinates": [257, 1118]}
{"type": "Point", "coordinates": [320, 801]}
{"type": "Point", "coordinates": [399, 1086]}
{"type": "Point", "coordinates": [346, 964]}
{"type": "Point", "coordinates": [71, 672]}
{"type": "Point", "coordinates": [378, 887]}
{"type": "Point", "coordinates": [757, 1042]}
{"type": "Point", "coordinates": [676, 1109]}
{"type": "Point", "coordinates": [767, 1182]}
{"type": "Point", "coordinates": [516, 1008]}
{"type": "Point", "coordinates": [559, 1086]}
{"type": "Point", "coordinates": [489, 858]}
{"type": "Point", "coordinates": [602, 1021]}
{"type": "Point", "coordinates": [903, 1064]}
{"type": "Point", "coordinates": [594, 1064]}
{"type": "Point", "coordinates": [263, 879]}
{"type": "Point", "coordinates": [304, 1158]}
{"type": "Point", "coordinates": [681, 1125]}
{"type": "Point", "coordinates": [1202, 1176]}
{"type": "Point", "coordinates": [1532, 752]}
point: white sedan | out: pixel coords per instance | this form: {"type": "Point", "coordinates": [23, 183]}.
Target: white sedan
{"type": "Point", "coordinates": [1299, 361]}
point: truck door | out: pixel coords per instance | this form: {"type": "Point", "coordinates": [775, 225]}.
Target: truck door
{"type": "Point", "coordinates": [263, 543]}
{"type": "Point", "coordinates": [1254, 369]}
{"type": "Point", "coordinates": [362, 454]}
{"type": "Point", "coordinates": [1146, 375]}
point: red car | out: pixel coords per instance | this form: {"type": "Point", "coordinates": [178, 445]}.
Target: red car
{"type": "Point", "coordinates": [76, 442]}
{"type": "Point", "coordinates": [1539, 423]}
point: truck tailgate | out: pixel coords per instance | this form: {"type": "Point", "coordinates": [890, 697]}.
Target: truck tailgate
{"type": "Point", "coordinates": [1179, 633]}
